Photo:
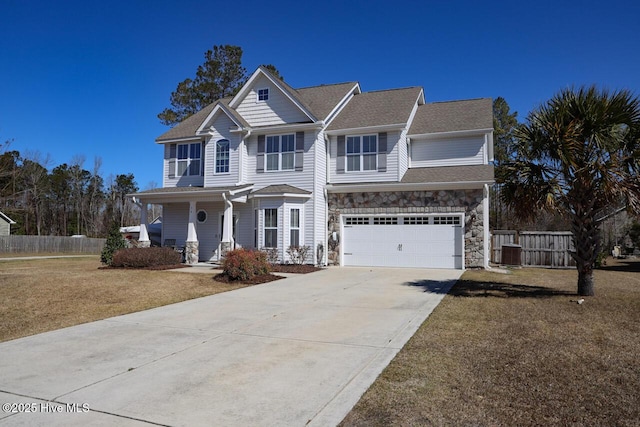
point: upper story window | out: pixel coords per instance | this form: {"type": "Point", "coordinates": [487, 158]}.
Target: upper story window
{"type": "Point", "coordinates": [188, 162]}
{"type": "Point", "coordinates": [263, 94]}
{"type": "Point", "coordinates": [222, 156]}
{"type": "Point", "coordinates": [280, 152]}
{"type": "Point", "coordinates": [361, 153]}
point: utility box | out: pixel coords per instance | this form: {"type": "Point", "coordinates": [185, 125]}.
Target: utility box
{"type": "Point", "coordinates": [511, 254]}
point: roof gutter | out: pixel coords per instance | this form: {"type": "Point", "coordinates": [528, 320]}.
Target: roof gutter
{"type": "Point", "coordinates": [407, 186]}
{"type": "Point", "coordinates": [454, 133]}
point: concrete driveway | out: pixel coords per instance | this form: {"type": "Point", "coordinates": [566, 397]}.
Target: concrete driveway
{"type": "Point", "coordinates": [297, 351]}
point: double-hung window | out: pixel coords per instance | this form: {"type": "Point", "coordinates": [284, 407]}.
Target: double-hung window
{"type": "Point", "coordinates": [271, 228]}
{"type": "Point", "coordinates": [294, 227]}
{"type": "Point", "coordinates": [188, 159]}
{"type": "Point", "coordinates": [281, 150]}
{"type": "Point", "coordinates": [361, 153]}
{"type": "Point", "coordinates": [222, 156]}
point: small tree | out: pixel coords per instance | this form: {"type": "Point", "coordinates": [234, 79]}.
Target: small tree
{"type": "Point", "coordinates": [577, 155]}
{"type": "Point", "coordinates": [114, 243]}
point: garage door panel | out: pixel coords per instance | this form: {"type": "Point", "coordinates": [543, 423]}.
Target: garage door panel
{"type": "Point", "coordinates": [400, 245]}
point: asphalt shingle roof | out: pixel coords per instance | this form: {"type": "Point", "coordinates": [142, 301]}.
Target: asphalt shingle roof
{"type": "Point", "coordinates": [280, 189]}
{"type": "Point", "coordinates": [379, 108]}
{"type": "Point", "coordinates": [453, 116]}
{"type": "Point", "coordinates": [449, 174]}
{"type": "Point", "coordinates": [321, 100]}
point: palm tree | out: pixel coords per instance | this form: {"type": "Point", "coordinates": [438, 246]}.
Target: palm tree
{"type": "Point", "coordinates": [578, 154]}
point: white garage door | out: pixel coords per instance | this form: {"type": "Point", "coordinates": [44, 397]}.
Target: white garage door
{"type": "Point", "coordinates": [403, 241]}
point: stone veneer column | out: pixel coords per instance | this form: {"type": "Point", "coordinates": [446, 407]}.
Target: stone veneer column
{"type": "Point", "coordinates": [191, 245]}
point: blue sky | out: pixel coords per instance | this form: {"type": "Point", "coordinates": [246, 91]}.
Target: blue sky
{"type": "Point", "coordinates": [84, 78]}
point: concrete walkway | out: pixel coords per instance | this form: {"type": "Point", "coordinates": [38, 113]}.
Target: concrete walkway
{"type": "Point", "coordinates": [297, 351]}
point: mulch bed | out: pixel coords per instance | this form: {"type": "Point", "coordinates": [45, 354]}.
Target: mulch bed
{"type": "Point", "coordinates": [263, 278]}
{"type": "Point", "coordinates": [153, 267]}
{"type": "Point", "coordinates": [294, 268]}
{"type": "Point", "coordinates": [275, 268]}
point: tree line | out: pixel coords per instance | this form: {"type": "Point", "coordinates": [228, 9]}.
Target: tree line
{"type": "Point", "coordinates": [65, 200]}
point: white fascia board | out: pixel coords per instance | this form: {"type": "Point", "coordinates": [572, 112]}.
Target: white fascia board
{"type": "Point", "coordinates": [176, 140]}
{"type": "Point", "coordinates": [412, 186]}
{"type": "Point", "coordinates": [452, 134]}
{"type": "Point", "coordinates": [247, 86]}
{"type": "Point", "coordinates": [9, 220]}
{"type": "Point", "coordinates": [367, 129]}
{"type": "Point", "coordinates": [280, 195]}
{"type": "Point", "coordinates": [289, 127]}
{"type": "Point", "coordinates": [344, 101]}
{"type": "Point", "coordinates": [217, 108]}
{"type": "Point", "coordinates": [490, 145]}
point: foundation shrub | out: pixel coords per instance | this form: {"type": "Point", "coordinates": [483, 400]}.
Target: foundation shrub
{"type": "Point", "coordinates": [243, 264]}
{"type": "Point", "coordinates": [145, 257]}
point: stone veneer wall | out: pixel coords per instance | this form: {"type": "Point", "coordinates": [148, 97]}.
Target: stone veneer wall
{"type": "Point", "coordinates": [410, 202]}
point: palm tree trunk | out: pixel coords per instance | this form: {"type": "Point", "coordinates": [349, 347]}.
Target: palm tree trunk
{"type": "Point", "coordinates": [585, 282]}
{"type": "Point", "coordinates": [586, 238]}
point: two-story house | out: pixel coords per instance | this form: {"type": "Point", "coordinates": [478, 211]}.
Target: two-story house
{"type": "Point", "coordinates": [362, 178]}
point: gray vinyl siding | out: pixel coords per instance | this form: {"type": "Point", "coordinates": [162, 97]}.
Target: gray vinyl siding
{"type": "Point", "coordinates": [448, 152]}
{"type": "Point", "coordinates": [403, 155]}
{"type": "Point", "coordinates": [5, 228]}
{"type": "Point", "coordinates": [277, 110]}
{"type": "Point", "coordinates": [179, 181]}
{"type": "Point", "coordinates": [391, 174]}
{"type": "Point", "coordinates": [175, 220]}
{"type": "Point", "coordinates": [301, 179]}
{"type": "Point", "coordinates": [318, 216]}
{"type": "Point", "coordinates": [222, 130]}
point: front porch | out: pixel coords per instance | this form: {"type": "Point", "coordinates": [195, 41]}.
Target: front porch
{"type": "Point", "coordinates": [202, 220]}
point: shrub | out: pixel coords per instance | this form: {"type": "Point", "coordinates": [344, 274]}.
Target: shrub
{"type": "Point", "coordinates": [298, 254]}
{"type": "Point", "coordinates": [243, 264]}
{"type": "Point", "coordinates": [145, 257]}
{"type": "Point", "coordinates": [271, 254]}
{"type": "Point", "coordinates": [114, 243]}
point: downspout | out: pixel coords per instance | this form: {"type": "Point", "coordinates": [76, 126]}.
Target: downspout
{"type": "Point", "coordinates": [241, 158]}
{"type": "Point", "coordinates": [485, 226]}
{"type": "Point", "coordinates": [326, 200]}
{"type": "Point", "coordinates": [228, 208]}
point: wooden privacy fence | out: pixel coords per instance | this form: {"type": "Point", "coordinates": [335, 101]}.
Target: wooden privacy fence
{"type": "Point", "coordinates": [539, 248]}
{"type": "Point", "coordinates": [53, 244]}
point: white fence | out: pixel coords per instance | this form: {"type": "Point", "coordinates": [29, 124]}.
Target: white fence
{"type": "Point", "coordinates": [50, 244]}
{"type": "Point", "coordinates": [539, 248]}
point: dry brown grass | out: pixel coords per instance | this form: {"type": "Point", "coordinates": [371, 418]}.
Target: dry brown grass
{"type": "Point", "coordinates": [42, 295]}
{"type": "Point", "coordinates": [506, 350]}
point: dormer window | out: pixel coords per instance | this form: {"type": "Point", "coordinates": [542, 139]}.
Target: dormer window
{"type": "Point", "coordinates": [263, 94]}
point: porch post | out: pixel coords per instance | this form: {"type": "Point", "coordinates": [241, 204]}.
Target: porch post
{"type": "Point", "coordinates": [143, 239]}
{"type": "Point", "coordinates": [226, 243]}
{"type": "Point", "coordinates": [191, 244]}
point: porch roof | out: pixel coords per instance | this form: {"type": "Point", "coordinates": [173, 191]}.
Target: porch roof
{"type": "Point", "coordinates": [183, 194]}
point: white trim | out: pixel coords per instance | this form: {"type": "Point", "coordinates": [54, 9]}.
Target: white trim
{"type": "Point", "coordinates": [360, 154]}
{"type": "Point", "coordinates": [247, 87]}
{"type": "Point", "coordinates": [280, 195]}
{"type": "Point", "coordinates": [279, 153]}
{"type": "Point", "coordinates": [206, 216]}
{"type": "Point", "coordinates": [397, 186]}
{"type": "Point", "coordinates": [344, 101]}
{"type": "Point", "coordinates": [185, 140]}
{"type": "Point", "coordinates": [258, 94]}
{"type": "Point", "coordinates": [218, 107]}
{"type": "Point", "coordinates": [454, 134]}
{"type": "Point", "coordinates": [485, 226]}
{"type": "Point", "coordinates": [215, 157]}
